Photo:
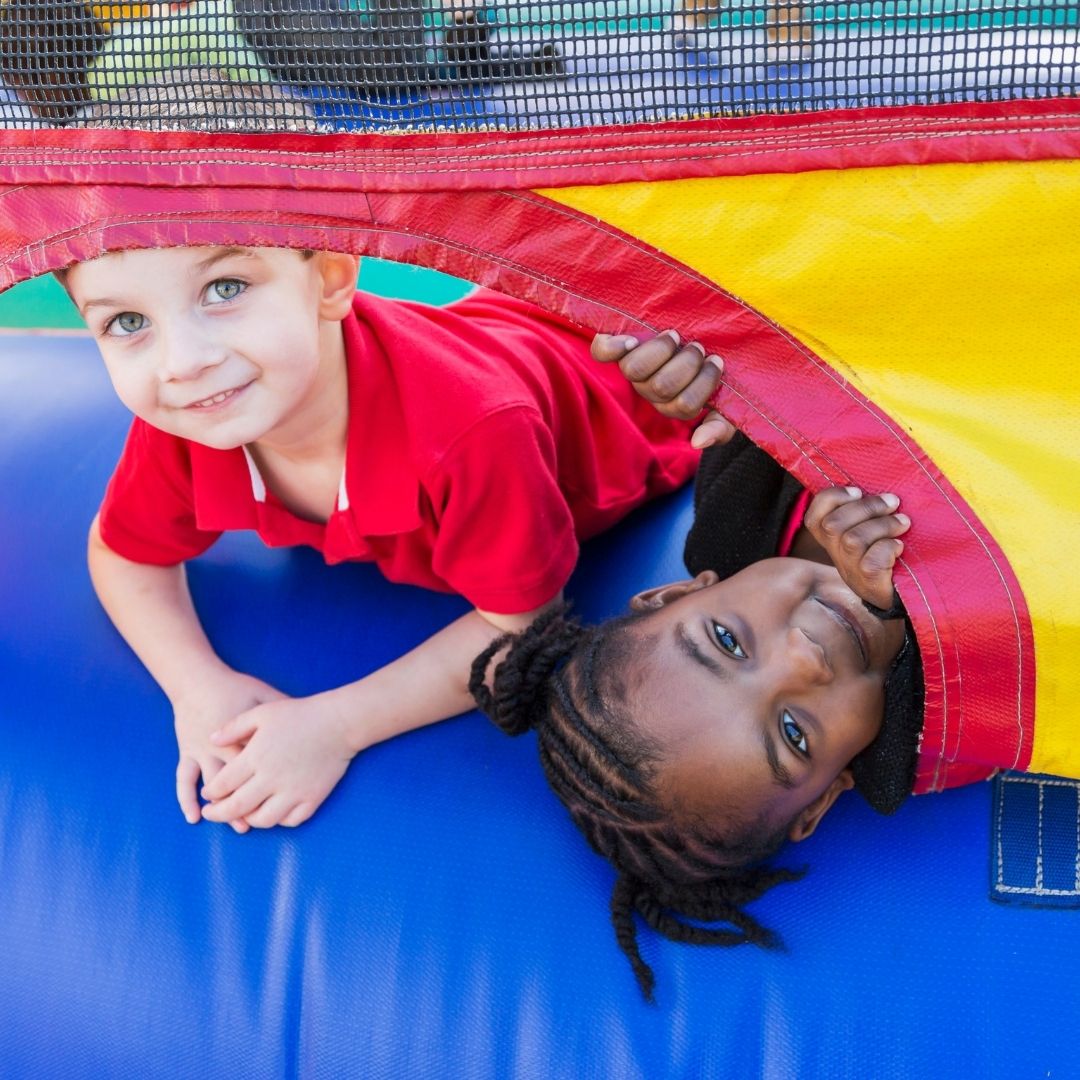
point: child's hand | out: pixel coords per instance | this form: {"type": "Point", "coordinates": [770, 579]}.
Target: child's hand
{"type": "Point", "coordinates": [860, 534]}
{"type": "Point", "coordinates": [295, 752]}
{"type": "Point", "coordinates": [196, 718]}
{"type": "Point", "coordinates": [678, 379]}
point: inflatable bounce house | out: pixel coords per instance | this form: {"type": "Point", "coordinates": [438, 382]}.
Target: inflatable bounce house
{"type": "Point", "coordinates": [871, 211]}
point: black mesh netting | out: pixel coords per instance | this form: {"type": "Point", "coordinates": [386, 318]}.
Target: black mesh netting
{"type": "Point", "coordinates": [323, 65]}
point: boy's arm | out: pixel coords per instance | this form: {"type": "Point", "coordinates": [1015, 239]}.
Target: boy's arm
{"type": "Point", "coordinates": [297, 749]}
{"type": "Point", "coordinates": [152, 609]}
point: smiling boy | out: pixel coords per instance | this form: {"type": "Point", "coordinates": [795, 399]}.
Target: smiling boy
{"type": "Point", "coordinates": [462, 449]}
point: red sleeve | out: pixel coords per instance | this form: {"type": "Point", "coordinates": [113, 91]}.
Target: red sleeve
{"type": "Point", "coordinates": [148, 513]}
{"type": "Point", "coordinates": [506, 537]}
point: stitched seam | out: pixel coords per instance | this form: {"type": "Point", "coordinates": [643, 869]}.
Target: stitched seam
{"type": "Point", "coordinates": [660, 129]}
{"type": "Point", "coordinates": [469, 160]}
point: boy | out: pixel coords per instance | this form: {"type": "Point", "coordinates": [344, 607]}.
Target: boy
{"type": "Point", "coordinates": [460, 448]}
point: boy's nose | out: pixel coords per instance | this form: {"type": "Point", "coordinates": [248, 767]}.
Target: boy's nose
{"type": "Point", "coordinates": [186, 354]}
{"type": "Point", "coordinates": [806, 658]}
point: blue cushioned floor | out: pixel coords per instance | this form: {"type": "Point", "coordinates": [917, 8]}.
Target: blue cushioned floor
{"type": "Point", "coordinates": [440, 917]}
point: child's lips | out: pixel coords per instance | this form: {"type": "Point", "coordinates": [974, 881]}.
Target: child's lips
{"type": "Point", "coordinates": [850, 622]}
{"type": "Point", "coordinates": [216, 401]}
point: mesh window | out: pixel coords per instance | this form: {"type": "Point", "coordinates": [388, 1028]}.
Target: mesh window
{"type": "Point", "coordinates": [378, 65]}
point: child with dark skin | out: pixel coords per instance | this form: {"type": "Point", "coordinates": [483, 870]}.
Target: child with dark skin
{"type": "Point", "coordinates": [722, 718]}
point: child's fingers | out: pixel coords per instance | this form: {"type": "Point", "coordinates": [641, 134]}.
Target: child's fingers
{"type": "Point", "coordinates": [187, 786]}
{"type": "Point", "coordinates": [826, 501]}
{"type": "Point", "coordinates": [272, 812]}
{"type": "Point", "coordinates": [242, 802]}
{"type": "Point", "coordinates": [609, 347]}
{"type": "Point", "coordinates": [881, 557]}
{"type": "Point", "coordinates": [849, 516]}
{"type": "Point", "coordinates": [299, 814]}
{"type": "Point", "coordinates": [239, 771]}
{"type": "Point", "coordinates": [684, 385]}
{"type": "Point", "coordinates": [712, 431]}
{"type": "Point", "coordinates": [236, 730]}
{"type": "Point", "coordinates": [860, 538]}
{"type": "Point", "coordinates": [644, 361]}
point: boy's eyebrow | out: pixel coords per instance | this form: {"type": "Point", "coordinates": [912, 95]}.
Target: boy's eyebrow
{"type": "Point", "coordinates": [220, 255]}
{"type": "Point", "coordinates": [689, 647]}
{"type": "Point", "coordinates": [781, 774]}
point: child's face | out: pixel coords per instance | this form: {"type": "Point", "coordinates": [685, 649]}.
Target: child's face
{"type": "Point", "coordinates": [760, 689]}
{"type": "Point", "coordinates": [221, 345]}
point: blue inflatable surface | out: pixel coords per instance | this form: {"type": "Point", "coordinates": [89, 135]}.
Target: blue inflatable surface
{"type": "Point", "coordinates": [440, 916]}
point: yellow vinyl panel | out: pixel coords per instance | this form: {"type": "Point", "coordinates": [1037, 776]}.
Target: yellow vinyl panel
{"type": "Point", "coordinates": [949, 295]}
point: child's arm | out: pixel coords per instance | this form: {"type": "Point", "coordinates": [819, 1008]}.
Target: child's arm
{"type": "Point", "coordinates": [297, 749]}
{"type": "Point", "coordinates": [152, 609]}
{"type": "Point", "coordinates": [678, 379]}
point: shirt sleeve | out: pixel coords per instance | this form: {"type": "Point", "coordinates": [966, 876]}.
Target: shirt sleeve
{"type": "Point", "coordinates": [505, 532]}
{"type": "Point", "coordinates": [148, 513]}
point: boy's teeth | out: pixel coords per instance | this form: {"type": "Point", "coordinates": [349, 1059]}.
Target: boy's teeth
{"type": "Point", "coordinates": [217, 399]}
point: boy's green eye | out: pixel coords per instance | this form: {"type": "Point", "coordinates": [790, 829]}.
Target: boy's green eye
{"type": "Point", "coordinates": [793, 734]}
{"type": "Point", "coordinates": [727, 641]}
{"type": "Point", "coordinates": [225, 289]}
{"type": "Point", "coordinates": [127, 322]}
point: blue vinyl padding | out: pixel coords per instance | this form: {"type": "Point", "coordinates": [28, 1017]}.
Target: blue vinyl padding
{"type": "Point", "coordinates": [440, 917]}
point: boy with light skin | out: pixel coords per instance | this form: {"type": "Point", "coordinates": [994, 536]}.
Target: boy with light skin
{"type": "Point", "coordinates": [240, 365]}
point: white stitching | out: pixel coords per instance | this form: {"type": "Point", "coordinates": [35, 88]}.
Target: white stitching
{"type": "Point", "coordinates": [468, 160]}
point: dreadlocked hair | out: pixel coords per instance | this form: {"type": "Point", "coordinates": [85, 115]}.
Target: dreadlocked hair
{"type": "Point", "coordinates": [562, 679]}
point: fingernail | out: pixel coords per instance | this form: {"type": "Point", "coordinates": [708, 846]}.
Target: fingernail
{"type": "Point", "coordinates": [673, 334]}
{"type": "Point", "coordinates": [715, 360]}
{"type": "Point", "coordinates": [630, 342]}
{"type": "Point", "coordinates": [903, 519]}
{"type": "Point", "coordinates": [699, 440]}
{"type": "Point", "coordinates": [890, 500]}
{"type": "Point", "coordinates": [854, 492]}
{"type": "Point", "coordinates": [696, 345]}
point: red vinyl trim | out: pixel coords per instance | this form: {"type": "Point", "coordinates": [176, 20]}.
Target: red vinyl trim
{"type": "Point", "coordinates": [492, 160]}
{"type": "Point", "coordinates": [962, 595]}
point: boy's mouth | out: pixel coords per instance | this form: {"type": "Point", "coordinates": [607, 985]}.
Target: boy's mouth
{"type": "Point", "coordinates": [849, 623]}
{"type": "Point", "coordinates": [216, 400]}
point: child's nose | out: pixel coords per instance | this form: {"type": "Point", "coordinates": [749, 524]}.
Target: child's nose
{"type": "Point", "coordinates": [806, 658]}
{"type": "Point", "coordinates": [186, 353]}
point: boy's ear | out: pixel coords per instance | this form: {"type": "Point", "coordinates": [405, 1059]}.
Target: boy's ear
{"type": "Point", "coordinates": [337, 272]}
{"type": "Point", "coordinates": [655, 598]}
{"type": "Point", "coordinates": [808, 819]}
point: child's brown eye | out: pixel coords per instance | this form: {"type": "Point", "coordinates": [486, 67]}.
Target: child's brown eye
{"type": "Point", "coordinates": [727, 641]}
{"type": "Point", "coordinates": [793, 734]}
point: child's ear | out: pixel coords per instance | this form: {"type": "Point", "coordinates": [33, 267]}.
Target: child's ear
{"type": "Point", "coordinates": [808, 820]}
{"type": "Point", "coordinates": [337, 273]}
{"type": "Point", "coordinates": [655, 598]}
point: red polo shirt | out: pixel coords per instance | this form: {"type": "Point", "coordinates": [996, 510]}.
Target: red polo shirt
{"type": "Point", "coordinates": [483, 443]}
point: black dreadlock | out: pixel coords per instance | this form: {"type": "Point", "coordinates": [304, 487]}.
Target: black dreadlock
{"type": "Point", "coordinates": [603, 771]}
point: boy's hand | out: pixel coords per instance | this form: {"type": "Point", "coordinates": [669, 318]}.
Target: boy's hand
{"type": "Point", "coordinates": [196, 718]}
{"type": "Point", "coordinates": [296, 751]}
{"type": "Point", "coordinates": [860, 533]}
{"type": "Point", "coordinates": [678, 379]}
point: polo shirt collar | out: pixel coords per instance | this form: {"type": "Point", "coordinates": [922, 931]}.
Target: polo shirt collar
{"type": "Point", "coordinates": [379, 491]}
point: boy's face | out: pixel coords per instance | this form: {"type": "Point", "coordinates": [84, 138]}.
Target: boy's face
{"type": "Point", "coordinates": [221, 345]}
{"type": "Point", "coordinates": [760, 689]}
